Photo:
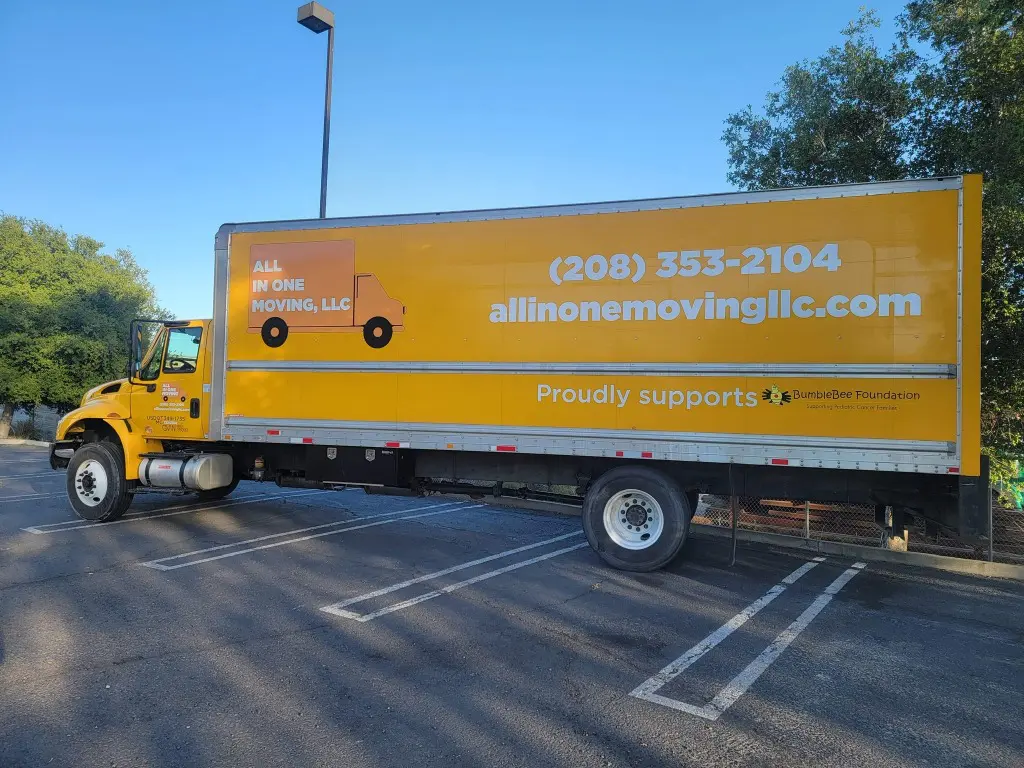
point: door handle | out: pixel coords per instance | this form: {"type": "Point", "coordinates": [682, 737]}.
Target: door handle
{"type": "Point", "coordinates": [193, 408]}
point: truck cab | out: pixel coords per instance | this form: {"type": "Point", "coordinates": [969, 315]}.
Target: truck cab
{"type": "Point", "coordinates": [148, 430]}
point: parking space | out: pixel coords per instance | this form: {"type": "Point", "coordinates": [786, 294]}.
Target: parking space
{"type": "Point", "coordinates": [294, 627]}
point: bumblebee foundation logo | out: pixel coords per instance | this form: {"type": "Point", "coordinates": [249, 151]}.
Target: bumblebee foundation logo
{"type": "Point", "coordinates": [776, 396]}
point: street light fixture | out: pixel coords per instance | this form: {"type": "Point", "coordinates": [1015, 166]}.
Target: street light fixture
{"type": "Point", "coordinates": [315, 17]}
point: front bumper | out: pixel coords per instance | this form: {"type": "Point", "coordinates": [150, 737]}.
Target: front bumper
{"type": "Point", "coordinates": [61, 452]}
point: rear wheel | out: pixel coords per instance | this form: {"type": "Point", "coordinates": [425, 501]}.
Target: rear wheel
{"type": "Point", "coordinates": [96, 484]}
{"type": "Point", "coordinates": [218, 493]}
{"type": "Point", "coordinates": [636, 518]}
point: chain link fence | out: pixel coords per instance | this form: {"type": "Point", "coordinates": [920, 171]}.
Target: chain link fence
{"type": "Point", "coordinates": [1008, 535]}
{"type": "Point", "coordinates": [39, 423]}
{"type": "Point", "coordinates": [857, 524]}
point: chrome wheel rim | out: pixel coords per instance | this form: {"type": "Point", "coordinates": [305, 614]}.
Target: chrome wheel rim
{"type": "Point", "coordinates": [633, 519]}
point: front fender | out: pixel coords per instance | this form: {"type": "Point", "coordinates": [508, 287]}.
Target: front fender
{"type": "Point", "coordinates": [73, 421]}
{"type": "Point", "coordinates": [104, 418]}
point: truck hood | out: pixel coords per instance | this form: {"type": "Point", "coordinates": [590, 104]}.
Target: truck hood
{"type": "Point", "coordinates": [107, 389]}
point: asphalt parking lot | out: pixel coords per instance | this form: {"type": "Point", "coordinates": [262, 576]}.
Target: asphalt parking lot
{"type": "Point", "coordinates": [294, 627]}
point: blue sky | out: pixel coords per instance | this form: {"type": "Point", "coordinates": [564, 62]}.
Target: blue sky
{"type": "Point", "coordinates": [148, 125]}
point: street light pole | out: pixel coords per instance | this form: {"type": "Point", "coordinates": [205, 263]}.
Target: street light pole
{"type": "Point", "coordinates": [315, 17]}
{"type": "Point", "coordinates": [327, 123]}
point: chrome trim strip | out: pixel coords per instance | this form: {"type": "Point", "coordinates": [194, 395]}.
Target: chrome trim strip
{"type": "Point", "coordinates": [796, 370]}
{"type": "Point", "coordinates": [387, 431]}
{"type": "Point", "coordinates": [622, 206]}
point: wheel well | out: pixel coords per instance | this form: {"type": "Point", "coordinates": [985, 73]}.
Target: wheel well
{"type": "Point", "coordinates": [94, 431]}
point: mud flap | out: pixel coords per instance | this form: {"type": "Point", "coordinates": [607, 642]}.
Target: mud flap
{"type": "Point", "coordinates": [975, 498]}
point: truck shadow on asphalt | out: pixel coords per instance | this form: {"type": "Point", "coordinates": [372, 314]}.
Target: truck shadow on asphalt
{"type": "Point", "coordinates": [233, 661]}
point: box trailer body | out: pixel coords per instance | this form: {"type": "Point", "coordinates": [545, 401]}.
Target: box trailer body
{"type": "Point", "coordinates": [809, 342]}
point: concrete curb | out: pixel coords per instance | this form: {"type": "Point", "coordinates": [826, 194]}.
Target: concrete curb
{"type": "Point", "coordinates": [19, 441]}
{"type": "Point", "coordinates": [919, 559]}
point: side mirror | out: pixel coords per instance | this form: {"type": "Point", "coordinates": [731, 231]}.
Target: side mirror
{"type": "Point", "coordinates": [141, 336]}
{"type": "Point", "coordinates": [134, 351]}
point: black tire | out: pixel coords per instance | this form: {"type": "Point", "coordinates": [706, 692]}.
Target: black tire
{"type": "Point", "coordinates": [118, 495]}
{"type": "Point", "coordinates": [370, 335]}
{"type": "Point", "coordinates": [218, 493]}
{"type": "Point", "coordinates": [267, 332]}
{"type": "Point", "coordinates": [670, 498]}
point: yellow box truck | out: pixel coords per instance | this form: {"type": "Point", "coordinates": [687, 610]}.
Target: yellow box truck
{"type": "Point", "coordinates": [805, 343]}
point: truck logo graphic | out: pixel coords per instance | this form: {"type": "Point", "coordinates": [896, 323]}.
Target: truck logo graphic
{"type": "Point", "coordinates": [314, 288]}
{"type": "Point", "coordinates": [776, 396]}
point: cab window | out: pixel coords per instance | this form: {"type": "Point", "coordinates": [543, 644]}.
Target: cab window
{"type": "Point", "coordinates": [182, 354]}
{"type": "Point", "coordinates": [149, 369]}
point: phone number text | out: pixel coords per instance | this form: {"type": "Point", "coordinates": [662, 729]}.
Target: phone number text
{"type": "Point", "coordinates": [710, 262]}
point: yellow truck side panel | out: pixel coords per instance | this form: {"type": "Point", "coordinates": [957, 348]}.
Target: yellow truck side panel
{"type": "Point", "coordinates": [894, 409]}
{"type": "Point", "coordinates": [833, 316]}
{"type": "Point", "coordinates": [451, 275]}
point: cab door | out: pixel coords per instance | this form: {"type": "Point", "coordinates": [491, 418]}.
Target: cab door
{"type": "Point", "coordinates": [167, 392]}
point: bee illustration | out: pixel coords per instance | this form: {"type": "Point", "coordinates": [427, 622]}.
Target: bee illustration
{"type": "Point", "coordinates": [776, 396]}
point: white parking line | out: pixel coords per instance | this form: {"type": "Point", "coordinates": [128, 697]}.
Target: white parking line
{"type": "Point", "coordinates": [75, 525]}
{"type": "Point", "coordinates": [52, 473]}
{"type": "Point", "coordinates": [335, 523]}
{"type": "Point", "coordinates": [742, 682]}
{"type": "Point", "coordinates": [159, 565]}
{"type": "Point", "coordinates": [77, 522]}
{"type": "Point", "coordinates": [453, 587]}
{"type": "Point", "coordinates": [31, 497]}
{"type": "Point", "coordinates": [646, 689]}
{"type": "Point", "coordinates": [338, 609]}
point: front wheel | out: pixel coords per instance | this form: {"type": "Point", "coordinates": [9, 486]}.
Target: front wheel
{"type": "Point", "coordinates": [96, 484]}
{"type": "Point", "coordinates": [636, 518]}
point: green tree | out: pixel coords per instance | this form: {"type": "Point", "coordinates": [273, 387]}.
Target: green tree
{"type": "Point", "coordinates": [64, 314]}
{"type": "Point", "coordinates": [839, 118]}
{"type": "Point", "coordinates": [946, 99]}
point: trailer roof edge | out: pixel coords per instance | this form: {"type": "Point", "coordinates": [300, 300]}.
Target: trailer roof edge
{"type": "Point", "coordinates": [616, 206]}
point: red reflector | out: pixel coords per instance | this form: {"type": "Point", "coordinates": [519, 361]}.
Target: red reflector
{"type": "Point", "coordinates": [620, 454]}
{"type": "Point", "coordinates": [273, 432]}
{"type": "Point", "coordinates": [953, 470]}
{"type": "Point", "coordinates": [505, 448]}
{"type": "Point", "coordinates": [780, 462]}
{"type": "Point", "coordinates": [392, 445]}
{"type": "Point", "coordinates": [307, 439]}
{"type": "Point", "coordinates": [646, 455]}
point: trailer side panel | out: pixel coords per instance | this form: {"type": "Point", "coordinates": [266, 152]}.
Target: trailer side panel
{"type": "Point", "coordinates": [815, 328]}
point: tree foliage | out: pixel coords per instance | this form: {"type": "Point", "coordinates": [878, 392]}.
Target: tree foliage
{"type": "Point", "coordinates": [837, 119]}
{"type": "Point", "coordinates": [947, 98]}
{"type": "Point", "coordinates": [64, 313]}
